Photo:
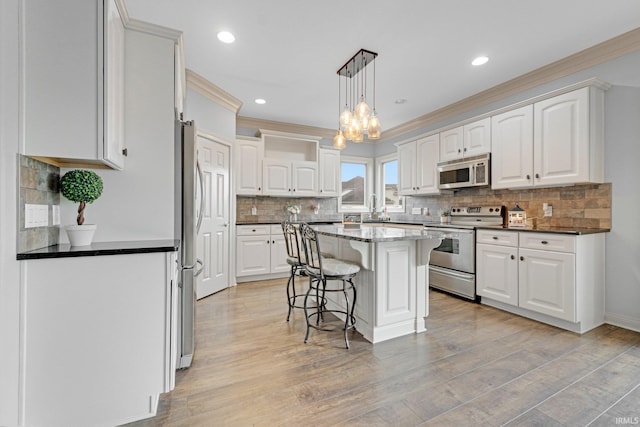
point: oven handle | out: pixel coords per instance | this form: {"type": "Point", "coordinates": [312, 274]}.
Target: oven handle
{"type": "Point", "coordinates": [459, 274]}
{"type": "Point", "coordinates": [450, 230]}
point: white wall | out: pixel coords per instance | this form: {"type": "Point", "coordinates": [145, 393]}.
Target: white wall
{"type": "Point", "coordinates": [210, 117]}
{"type": "Point", "coordinates": [622, 153]}
{"type": "Point", "coordinates": [137, 202]}
{"type": "Point", "coordinates": [9, 267]}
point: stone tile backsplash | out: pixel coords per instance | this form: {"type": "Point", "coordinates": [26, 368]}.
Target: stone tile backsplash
{"type": "Point", "coordinates": [38, 184]}
{"type": "Point", "coordinates": [578, 206]}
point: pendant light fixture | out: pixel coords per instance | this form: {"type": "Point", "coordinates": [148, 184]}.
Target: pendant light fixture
{"type": "Point", "coordinates": [356, 120]}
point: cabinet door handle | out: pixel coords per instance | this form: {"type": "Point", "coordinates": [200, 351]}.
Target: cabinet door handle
{"type": "Point", "coordinates": [465, 149]}
{"type": "Point", "coordinates": [537, 176]}
{"type": "Point", "coordinates": [495, 237]}
{"type": "Point", "coordinates": [294, 189]}
{"type": "Point", "coordinates": [254, 230]}
{"type": "Point", "coordinates": [321, 191]}
{"type": "Point", "coordinates": [544, 242]}
{"type": "Point", "coordinates": [513, 257]}
{"type": "Point", "coordinates": [125, 152]}
{"type": "Point", "coordinates": [521, 258]}
{"type": "Point", "coordinates": [268, 242]}
{"type": "Point", "coordinates": [528, 177]}
{"type": "Point", "coordinates": [273, 241]}
{"type": "Point", "coordinates": [458, 150]}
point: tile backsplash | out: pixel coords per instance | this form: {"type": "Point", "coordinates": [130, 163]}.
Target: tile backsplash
{"type": "Point", "coordinates": [39, 185]}
{"type": "Point", "coordinates": [578, 206]}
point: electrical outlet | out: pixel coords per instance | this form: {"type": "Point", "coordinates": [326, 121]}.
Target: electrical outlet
{"type": "Point", "coordinates": [547, 209]}
{"type": "Point", "coordinates": [425, 211]}
{"type": "Point", "coordinates": [254, 211]}
{"type": "Point", "coordinates": [36, 216]}
{"type": "Point", "coordinates": [416, 211]}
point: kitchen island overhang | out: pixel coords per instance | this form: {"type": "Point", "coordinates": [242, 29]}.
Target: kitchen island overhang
{"type": "Point", "coordinates": [392, 286]}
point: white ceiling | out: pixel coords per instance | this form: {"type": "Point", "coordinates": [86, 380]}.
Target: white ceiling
{"type": "Point", "coordinates": [288, 51]}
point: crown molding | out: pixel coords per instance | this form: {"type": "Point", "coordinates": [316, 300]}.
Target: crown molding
{"type": "Point", "coordinates": [204, 87]}
{"type": "Point", "coordinates": [613, 48]}
{"type": "Point", "coordinates": [250, 122]}
{"type": "Point", "coordinates": [153, 29]}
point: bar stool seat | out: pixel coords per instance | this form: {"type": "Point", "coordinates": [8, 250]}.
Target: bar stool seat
{"type": "Point", "coordinates": [320, 271]}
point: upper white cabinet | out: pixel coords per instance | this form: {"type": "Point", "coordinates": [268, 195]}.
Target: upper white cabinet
{"type": "Point", "coordinates": [329, 172]}
{"type": "Point", "coordinates": [249, 155]}
{"type": "Point", "coordinates": [73, 80]}
{"type": "Point", "coordinates": [417, 166]}
{"type": "Point", "coordinates": [289, 178]}
{"type": "Point", "coordinates": [557, 141]}
{"type": "Point", "coordinates": [468, 140]}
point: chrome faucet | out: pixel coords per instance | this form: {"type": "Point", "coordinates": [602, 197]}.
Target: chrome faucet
{"type": "Point", "coordinates": [373, 201]}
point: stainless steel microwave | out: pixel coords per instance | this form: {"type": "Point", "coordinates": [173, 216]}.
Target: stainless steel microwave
{"type": "Point", "coordinates": [467, 172]}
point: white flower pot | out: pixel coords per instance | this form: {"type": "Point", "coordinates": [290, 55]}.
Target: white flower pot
{"type": "Point", "coordinates": [80, 235]}
{"type": "Point", "coordinates": [445, 219]}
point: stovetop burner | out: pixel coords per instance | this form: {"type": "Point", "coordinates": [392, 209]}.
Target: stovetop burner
{"type": "Point", "coordinates": [473, 216]}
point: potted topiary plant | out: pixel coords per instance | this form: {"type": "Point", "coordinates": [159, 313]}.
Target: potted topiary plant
{"type": "Point", "coordinates": [445, 216]}
{"type": "Point", "coordinates": [81, 186]}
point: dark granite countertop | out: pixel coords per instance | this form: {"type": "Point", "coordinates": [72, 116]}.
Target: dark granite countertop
{"type": "Point", "coordinates": [323, 222]}
{"type": "Point", "coordinates": [548, 229]}
{"type": "Point", "coordinates": [102, 248]}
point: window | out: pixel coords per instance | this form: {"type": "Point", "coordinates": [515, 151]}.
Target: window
{"type": "Point", "coordinates": [387, 184]}
{"type": "Point", "coordinates": [357, 184]}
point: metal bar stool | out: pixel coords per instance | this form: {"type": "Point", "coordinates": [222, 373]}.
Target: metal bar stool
{"type": "Point", "coordinates": [294, 259]}
{"type": "Point", "coordinates": [320, 270]}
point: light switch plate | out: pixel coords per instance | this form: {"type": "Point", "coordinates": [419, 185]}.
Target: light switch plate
{"type": "Point", "coordinates": [55, 215]}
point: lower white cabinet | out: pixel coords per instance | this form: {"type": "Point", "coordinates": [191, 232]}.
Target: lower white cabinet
{"type": "Point", "coordinates": [546, 276]}
{"type": "Point", "coordinates": [99, 338]}
{"type": "Point", "coordinates": [260, 251]}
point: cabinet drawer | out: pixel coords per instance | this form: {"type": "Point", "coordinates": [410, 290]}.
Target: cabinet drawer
{"type": "Point", "coordinates": [252, 230]}
{"type": "Point", "coordinates": [276, 230]}
{"type": "Point", "coordinates": [548, 241]}
{"type": "Point", "coordinates": [497, 237]}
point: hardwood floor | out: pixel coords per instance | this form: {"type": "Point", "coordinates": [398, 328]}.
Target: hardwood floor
{"type": "Point", "coordinates": [474, 366]}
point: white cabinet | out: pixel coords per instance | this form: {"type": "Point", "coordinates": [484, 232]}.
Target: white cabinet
{"type": "Point", "coordinates": [329, 172]}
{"type": "Point", "coordinates": [74, 81]}
{"type": "Point", "coordinates": [557, 141]}
{"type": "Point", "coordinates": [417, 166]}
{"type": "Point", "coordinates": [289, 178]}
{"type": "Point", "coordinates": [554, 278]}
{"type": "Point", "coordinates": [260, 251]}
{"type": "Point", "coordinates": [497, 272]}
{"type": "Point", "coordinates": [249, 155]}
{"type": "Point", "coordinates": [468, 140]}
{"type": "Point", "coordinates": [103, 329]}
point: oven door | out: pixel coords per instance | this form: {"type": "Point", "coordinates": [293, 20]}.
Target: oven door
{"type": "Point", "coordinates": [457, 252]}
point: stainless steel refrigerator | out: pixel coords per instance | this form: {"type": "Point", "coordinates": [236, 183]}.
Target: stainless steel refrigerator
{"type": "Point", "coordinates": [188, 192]}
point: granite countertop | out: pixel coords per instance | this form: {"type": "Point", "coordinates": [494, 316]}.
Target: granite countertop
{"type": "Point", "coordinates": [102, 248]}
{"type": "Point", "coordinates": [379, 233]}
{"type": "Point", "coordinates": [548, 229]}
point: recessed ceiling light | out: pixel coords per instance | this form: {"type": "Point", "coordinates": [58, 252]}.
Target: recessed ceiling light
{"type": "Point", "coordinates": [260, 101]}
{"type": "Point", "coordinates": [226, 37]}
{"type": "Point", "coordinates": [400, 101]}
{"type": "Point", "coordinates": [480, 60]}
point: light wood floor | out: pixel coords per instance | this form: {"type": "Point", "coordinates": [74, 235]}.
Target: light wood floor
{"type": "Point", "coordinates": [474, 366]}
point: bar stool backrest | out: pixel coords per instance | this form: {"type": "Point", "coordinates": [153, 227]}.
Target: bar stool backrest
{"type": "Point", "coordinates": [291, 240]}
{"type": "Point", "coordinates": [311, 245]}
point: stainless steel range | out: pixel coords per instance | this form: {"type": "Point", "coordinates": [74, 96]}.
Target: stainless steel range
{"type": "Point", "coordinates": [453, 264]}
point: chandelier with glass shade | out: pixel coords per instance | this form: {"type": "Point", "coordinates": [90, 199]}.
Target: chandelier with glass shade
{"type": "Point", "coordinates": [356, 121]}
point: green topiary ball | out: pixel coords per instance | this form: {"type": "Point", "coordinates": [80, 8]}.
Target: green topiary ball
{"type": "Point", "coordinates": [81, 186]}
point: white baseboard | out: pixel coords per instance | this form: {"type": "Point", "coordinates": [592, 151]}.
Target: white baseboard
{"type": "Point", "coordinates": [627, 322]}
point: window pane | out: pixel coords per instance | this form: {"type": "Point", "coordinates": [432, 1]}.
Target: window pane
{"type": "Point", "coordinates": [353, 178]}
{"type": "Point", "coordinates": [390, 182]}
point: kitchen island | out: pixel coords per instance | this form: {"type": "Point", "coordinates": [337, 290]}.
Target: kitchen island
{"type": "Point", "coordinates": [392, 298]}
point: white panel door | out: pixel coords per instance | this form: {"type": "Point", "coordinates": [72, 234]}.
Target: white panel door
{"type": "Point", "coordinates": [497, 273]}
{"type": "Point", "coordinates": [547, 283]}
{"type": "Point", "coordinates": [477, 138]}
{"type": "Point", "coordinates": [451, 144]}
{"type": "Point", "coordinates": [279, 254]}
{"type": "Point", "coordinates": [512, 148]}
{"type": "Point", "coordinates": [561, 139]}
{"type": "Point", "coordinates": [249, 156]}
{"type": "Point", "coordinates": [213, 238]}
{"type": "Point", "coordinates": [276, 177]}
{"type": "Point", "coordinates": [428, 150]}
{"type": "Point", "coordinates": [406, 169]}
{"type": "Point", "coordinates": [329, 172]}
{"type": "Point", "coordinates": [304, 178]}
